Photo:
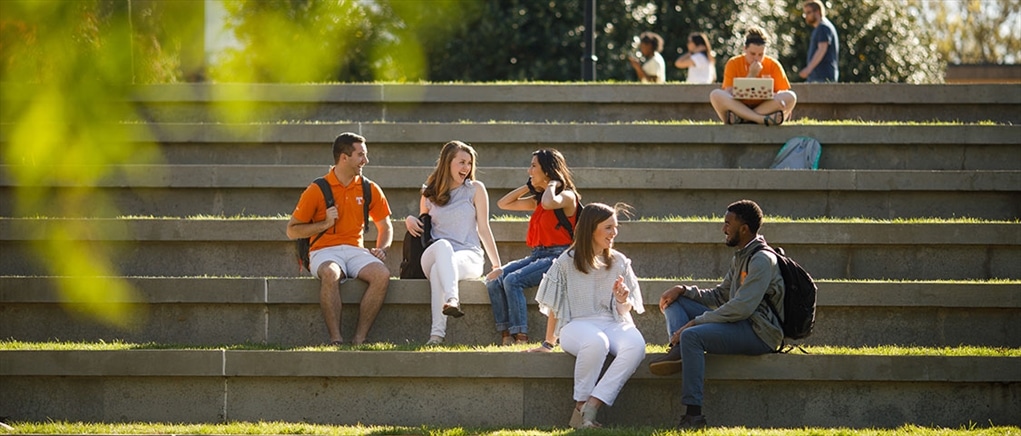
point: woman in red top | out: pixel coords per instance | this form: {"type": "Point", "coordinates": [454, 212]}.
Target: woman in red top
{"type": "Point", "coordinates": [754, 63]}
{"type": "Point", "coordinates": [549, 188]}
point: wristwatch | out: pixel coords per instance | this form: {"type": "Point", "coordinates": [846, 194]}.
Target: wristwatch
{"type": "Point", "coordinates": [547, 345]}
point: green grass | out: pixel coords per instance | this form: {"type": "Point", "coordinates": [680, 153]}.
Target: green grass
{"type": "Point", "coordinates": [889, 350]}
{"type": "Point", "coordinates": [239, 428]}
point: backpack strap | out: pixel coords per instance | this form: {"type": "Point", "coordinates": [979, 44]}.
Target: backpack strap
{"type": "Point", "coordinates": [366, 200]}
{"type": "Point", "coordinates": [563, 221]}
{"type": "Point", "coordinates": [324, 186]}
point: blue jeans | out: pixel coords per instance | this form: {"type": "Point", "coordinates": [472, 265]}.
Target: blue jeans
{"type": "Point", "coordinates": [717, 338]}
{"type": "Point", "coordinates": [507, 292]}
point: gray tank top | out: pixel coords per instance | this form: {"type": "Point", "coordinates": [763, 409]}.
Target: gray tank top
{"type": "Point", "coordinates": [455, 221]}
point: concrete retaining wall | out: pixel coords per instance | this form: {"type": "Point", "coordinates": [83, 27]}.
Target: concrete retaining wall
{"type": "Point", "coordinates": [576, 102]}
{"type": "Point", "coordinates": [270, 190]}
{"type": "Point", "coordinates": [213, 311]}
{"type": "Point", "coordinates": [461, 389]}
{"type": "Point", "coordinates": [259, 248]}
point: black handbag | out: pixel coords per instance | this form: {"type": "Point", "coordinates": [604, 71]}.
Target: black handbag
{"type": "Point", "coordinates": [414, 246]}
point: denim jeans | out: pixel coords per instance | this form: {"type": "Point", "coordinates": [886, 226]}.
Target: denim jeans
{"type": "Point", "coordinates": [507, 292]}
{"type": "Point", "coordinates": [717, 338]}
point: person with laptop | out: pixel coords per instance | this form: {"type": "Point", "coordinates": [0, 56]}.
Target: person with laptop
{"type": "Point", "coordinates": [755, 86]}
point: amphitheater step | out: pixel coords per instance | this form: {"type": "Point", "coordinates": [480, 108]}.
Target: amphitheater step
{"type": "Point", "coordinates": [854, 146]}
{"type": "Point", "coordinates": [830, 250]}
{"type": "Point", "coordinates": [268, 190]}
{"type": "Point", "coordinates": [545, 103]}
{"type": "Point", "coordinates": [216, 311]}
{"type": "Point", "coordinates": [494, 389]}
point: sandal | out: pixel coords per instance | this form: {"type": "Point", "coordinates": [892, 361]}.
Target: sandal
{"type": "Point", "coordinates": [520, 338]}
{"type": "Point", "coordinates": [733, 118]}
{"type": "Point", "coordinates": [773, 119]}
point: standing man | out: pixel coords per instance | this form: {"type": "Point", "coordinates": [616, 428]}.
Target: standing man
{"type": "Point", "coordinates": [732, 318]}
{"type": "Point", "coordinates": [338, 253]}
{"type": "Point", "coordinates": [823, 47]}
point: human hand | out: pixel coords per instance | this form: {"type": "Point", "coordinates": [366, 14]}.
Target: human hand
{"type": "Point", "coordinates": [803, 74]}
{"type": "Point", "coordinates": [379, 253]}
{"type": "Point", "coordinates": [539, 349]}
{"type": "Point", "coordinates": [676, 337]}
{"type": "Point", "coordinates": [414, 225]}
{"type": "Point", "coordinates": [754, 69]}
{"type": "Point", "coordinates": [331, 216]}
{"type": "Point", "coordinates": [494, 274]}
{"type": "Point", "coordinates": [620, 290]}
{"type": "Point", "coordinates": [669, 296]}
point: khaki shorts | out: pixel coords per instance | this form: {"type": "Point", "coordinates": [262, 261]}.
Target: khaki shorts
{"type": "Point", "coordinates": [351, 259]}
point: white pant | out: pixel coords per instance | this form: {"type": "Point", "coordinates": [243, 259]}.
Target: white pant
{"type": "Point", "coordinates": [444, 267]}
{"type": "Point", "coordinates": [591, 340]}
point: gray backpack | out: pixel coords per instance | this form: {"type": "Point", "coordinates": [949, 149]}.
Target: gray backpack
{"type": "Point", "coordinates": [799, 153]}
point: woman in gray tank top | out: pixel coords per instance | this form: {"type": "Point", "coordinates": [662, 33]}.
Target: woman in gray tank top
{"type": "Point", "coordinates": [458, 206]}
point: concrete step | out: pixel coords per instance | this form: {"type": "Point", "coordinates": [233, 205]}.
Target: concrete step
{"type": "Point", "coordinates": [543, 103]}
{"type": "Point", "coordinates": [845, 146]}
{"type": "Point", "coordinates": [269, 190]}
{"type": "Point", "coordinates": [447, 389]}
{"type": "Point", "coordinates": [829, 250]}
{"type": "Point", "coordinates": [205, 311]}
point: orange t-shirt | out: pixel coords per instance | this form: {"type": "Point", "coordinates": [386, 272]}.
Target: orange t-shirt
{"type": "Point", "coordinates": [348, 229]}
{"type": "Point", "coordinates": [737, 67]}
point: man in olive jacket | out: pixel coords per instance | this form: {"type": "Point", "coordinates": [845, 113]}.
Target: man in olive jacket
{"type": "Point", "coordinates": [732, 318]}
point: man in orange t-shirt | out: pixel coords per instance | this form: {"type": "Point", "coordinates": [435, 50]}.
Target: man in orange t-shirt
{"type": "Point", "coordinates": [338, 253]}
{"type": "Point", "coordinates": [754, 63]}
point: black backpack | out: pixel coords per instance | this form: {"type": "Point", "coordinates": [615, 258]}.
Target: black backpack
{"type": "Point", "coordinates": [304, 244]}
{"type": "Point", "coordinates": [798, 297]}
{"type": "Point", "coordinates": [414, 246]}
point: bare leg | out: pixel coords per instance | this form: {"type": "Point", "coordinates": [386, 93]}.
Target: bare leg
{"type": "Point", "coordinates": [782, 101]}
{"type": "Point", "coordinates": [377, 276]}
{"type": "Point", "coordinates": [329, 298]}
{"type": "Point", "coordinates": [723, 101]}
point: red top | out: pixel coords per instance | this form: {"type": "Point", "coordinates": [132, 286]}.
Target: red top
{"type": "Point", "coordinates": [543, 231]}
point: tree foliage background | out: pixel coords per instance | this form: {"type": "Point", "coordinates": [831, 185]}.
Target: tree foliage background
{"type": "Point", "coordinates": [526, 40]}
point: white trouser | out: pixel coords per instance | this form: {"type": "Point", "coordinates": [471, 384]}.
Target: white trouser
{"type": "Point", "coordinates": [591, 340]}
{"type": "Point", "coordinates": [444, 267]}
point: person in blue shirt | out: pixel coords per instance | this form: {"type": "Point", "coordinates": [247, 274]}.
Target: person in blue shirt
{"type": "Point", "coordinates": [823, 47]}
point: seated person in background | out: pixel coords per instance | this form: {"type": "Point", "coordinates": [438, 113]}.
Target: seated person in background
{"type": "Point", "coordinates": [732, 318]}
{"type": "Point", "coordinates": [653, 70]}
{"type": "Point", "coordinates": [699, 60]}
{"type": "Point", "coordinates": [754, 63]}
{"type": "Point", "coordinates": [588, 295]}
{"type": "Point", "coordinates": [550, 188]}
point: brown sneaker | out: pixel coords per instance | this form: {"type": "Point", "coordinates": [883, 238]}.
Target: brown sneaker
{"type": "Point", "coordinates": [669, 363]}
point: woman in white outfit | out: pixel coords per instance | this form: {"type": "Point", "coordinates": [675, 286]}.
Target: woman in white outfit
{"type": "Point", "coordinates": [588, 295]}
{"type": "Point", "coordinates": [699, 60]}
{"type": "Point", "coordinates": [458, 207]}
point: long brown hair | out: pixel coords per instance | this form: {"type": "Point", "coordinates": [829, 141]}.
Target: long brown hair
{"type": "Point", "coordinates": [554, 165]}
{"type": "Point", "coordinates": [585, 256]}
{"type": "Point", "coordinates": [437, 186]}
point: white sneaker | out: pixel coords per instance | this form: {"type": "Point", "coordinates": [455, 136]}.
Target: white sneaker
{"type": "Point", "coordinates": [434, 340]}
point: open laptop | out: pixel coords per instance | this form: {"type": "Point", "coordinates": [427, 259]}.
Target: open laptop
{"type": "Point", "coordinates": [753, 88]}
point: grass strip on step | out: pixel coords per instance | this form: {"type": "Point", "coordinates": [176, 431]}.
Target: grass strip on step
{"type": "Point", "coordinates": [282, 428]}
{"type": "Point", "coordinates": [886, 350]}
